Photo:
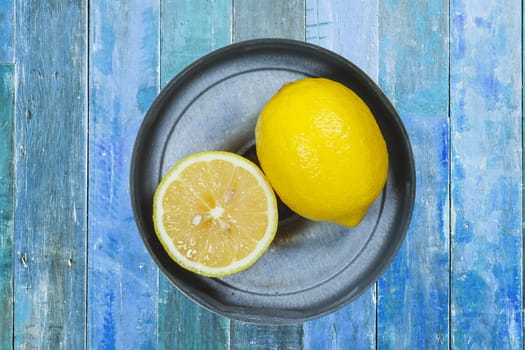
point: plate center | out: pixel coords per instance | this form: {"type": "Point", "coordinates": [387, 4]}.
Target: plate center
{"type": "Point", "coordinates": [304, 253]}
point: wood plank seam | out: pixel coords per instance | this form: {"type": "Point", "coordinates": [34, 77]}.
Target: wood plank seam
{"type": "Point", "coordinates": [449, 187]}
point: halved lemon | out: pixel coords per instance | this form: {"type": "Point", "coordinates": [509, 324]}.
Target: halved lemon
{"type": "Point", "coordinates": [215, 213]}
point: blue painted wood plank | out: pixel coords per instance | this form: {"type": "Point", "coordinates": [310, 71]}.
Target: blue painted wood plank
{"type": "Point", "coordinates": [7, 31]}
{"type": "Point", "coordinates": [334, 25]}
{"type": "Point", "coordinates": [124, 80]}
{"type": "Point", "coordinates": [413, 294]}
{"type": "Point", "coordinates": [352, 327]}
{"type": "Point", "coordinates": [50, 167]}
{"type": "Point", "coordinates": [190, 29]}
{"type": "Point", "coordinates": [486, 191]}
{"type": "Point", "coordinates": [7, 202]}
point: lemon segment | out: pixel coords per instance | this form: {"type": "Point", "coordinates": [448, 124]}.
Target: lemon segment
{"type": "Point", "coordinates": [322, 150]}
{"type": "Point", "coordinates": [215, 213]}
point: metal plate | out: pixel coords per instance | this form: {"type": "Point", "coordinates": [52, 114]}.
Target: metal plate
{"type": "Point", "coordinates": [311, 268]}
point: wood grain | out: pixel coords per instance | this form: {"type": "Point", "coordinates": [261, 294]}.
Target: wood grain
{"type": "Point", "coordinates": [486, 192]}
{"type": "Point", "coordinates": [413, 294]}
{"type": "Point", "coordinates": [7, 206]}
{"type": "Point", "coordinates": [50, 212]}
{"type": "Point", "coordinates": [268, 19]}
{"type": "Point", "coordinates": [190, 29]}
{"type": "Point", "coordinates": [353, 326]}
{"type": "Point", "coordinates": [263, 337]}
{"type": "Point", "coordinates": [124, 80]}
{"type": "Point", "coordinates": [7, 31]}
{"type": "Point", "coordinates": [74, 273]}
{"type": "Point", "coordinates": [349, 29]}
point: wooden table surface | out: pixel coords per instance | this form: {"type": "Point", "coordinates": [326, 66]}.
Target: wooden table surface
{"type": "Point", "coordinates": [76, 78]}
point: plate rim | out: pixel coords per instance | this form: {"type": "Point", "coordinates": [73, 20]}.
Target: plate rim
{"type": "Point", "coordinates": [236, 312]}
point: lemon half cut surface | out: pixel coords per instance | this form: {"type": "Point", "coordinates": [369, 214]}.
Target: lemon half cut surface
{"type": "Point", "coordinates": [215, 213]}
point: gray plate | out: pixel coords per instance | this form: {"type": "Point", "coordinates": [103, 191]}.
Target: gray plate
{"type": "Point", "coordinates": [311, 268]}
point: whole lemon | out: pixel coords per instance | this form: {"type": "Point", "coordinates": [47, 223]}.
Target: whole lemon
{"type": "Point", "coordinates": [322, 150]}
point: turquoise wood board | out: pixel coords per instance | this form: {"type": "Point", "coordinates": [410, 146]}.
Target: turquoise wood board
{"type": "Point", "coordinates": [7, 207]}
{"type": "Point", "coordinates": [77, 77]}
{"type": "Point", "coordinates": [7, 31]}
{"type": "Point", "coordinates": [50, 166]}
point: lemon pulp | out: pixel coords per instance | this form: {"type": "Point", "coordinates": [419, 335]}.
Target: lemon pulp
{"type": "Point", "coordinates": [215, 213]}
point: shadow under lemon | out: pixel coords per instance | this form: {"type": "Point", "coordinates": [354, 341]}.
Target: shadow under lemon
{"type": "Point", "coordinates": [286, 215]}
